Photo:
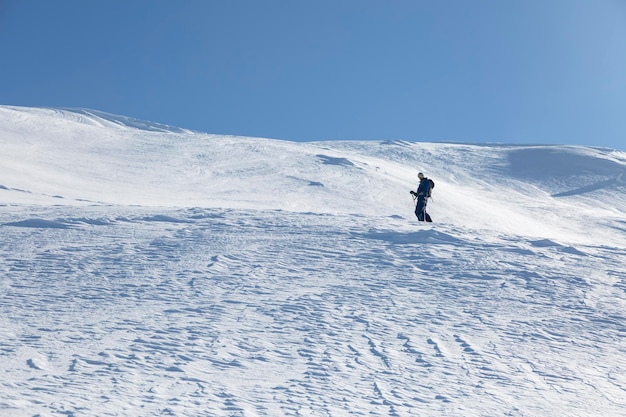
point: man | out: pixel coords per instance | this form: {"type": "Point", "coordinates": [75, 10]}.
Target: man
{"type": "Point", "coordinates": [422, 195]}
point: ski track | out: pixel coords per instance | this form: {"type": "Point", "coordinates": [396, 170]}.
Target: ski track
{"type": "Point", "coordinates": [209, 312]}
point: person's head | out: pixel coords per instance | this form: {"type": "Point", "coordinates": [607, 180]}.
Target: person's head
{"type": "Point", "coordinates": [420, 176]}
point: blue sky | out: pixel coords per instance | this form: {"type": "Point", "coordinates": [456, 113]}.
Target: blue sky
{"type": "Point", "coordinates": [527, 71]}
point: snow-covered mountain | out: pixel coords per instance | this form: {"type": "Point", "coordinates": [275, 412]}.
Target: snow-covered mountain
{"type": "Point", "coordinates": [152, 270]}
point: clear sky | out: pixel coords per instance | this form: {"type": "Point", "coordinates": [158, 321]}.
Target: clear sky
{"type": "Point", "coordinates": [511, 71]}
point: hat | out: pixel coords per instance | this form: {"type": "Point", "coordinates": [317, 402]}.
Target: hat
{"type": "Point", "coordinates": [421, 173]}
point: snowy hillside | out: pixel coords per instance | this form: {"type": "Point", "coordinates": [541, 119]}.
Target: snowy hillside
{"type": "Point", "coordinates": [152, 270]}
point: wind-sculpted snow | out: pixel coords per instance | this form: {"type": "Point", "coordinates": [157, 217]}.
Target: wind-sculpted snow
{"type": "Point", "coordinates": [149, 271]}
{"type": "Point", "coordinates": [103, 119]}
{"type": "Point", "coordinates": [238, 312]}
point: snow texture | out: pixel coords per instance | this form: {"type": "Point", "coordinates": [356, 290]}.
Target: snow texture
{"type": "Point", "coordinates": [148, 270]}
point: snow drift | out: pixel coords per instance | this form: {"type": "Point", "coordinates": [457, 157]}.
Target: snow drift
{"type": "Point", "coordinates": [152, 270]}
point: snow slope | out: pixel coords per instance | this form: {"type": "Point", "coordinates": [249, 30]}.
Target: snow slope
{"type": "Point", "coordinates": [151, 270]}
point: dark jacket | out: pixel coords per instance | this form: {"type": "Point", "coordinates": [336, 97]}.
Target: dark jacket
{"type": "Point", "coordinates": [423, 188]}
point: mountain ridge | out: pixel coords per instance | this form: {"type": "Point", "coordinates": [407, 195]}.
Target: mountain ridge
{"type": "Point", "coordinates": [61, 157]}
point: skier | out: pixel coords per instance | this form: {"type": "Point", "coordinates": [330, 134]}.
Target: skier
{"type": "Point", "coordinates": [422, 194]}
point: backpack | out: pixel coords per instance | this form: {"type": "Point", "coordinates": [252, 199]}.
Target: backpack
{"type": "Point", "coordinates": [430, 189]}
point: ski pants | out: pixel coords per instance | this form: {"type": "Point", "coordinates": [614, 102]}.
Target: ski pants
{"type": "Point", "coordinates": [420, 209]}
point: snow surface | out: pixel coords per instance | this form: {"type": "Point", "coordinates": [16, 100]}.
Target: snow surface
{"type": "Point", "coordinates": [149, 270]}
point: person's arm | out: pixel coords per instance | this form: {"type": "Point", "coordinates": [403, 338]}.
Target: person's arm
{"type": "Point", "coordinates": [420, 189]}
